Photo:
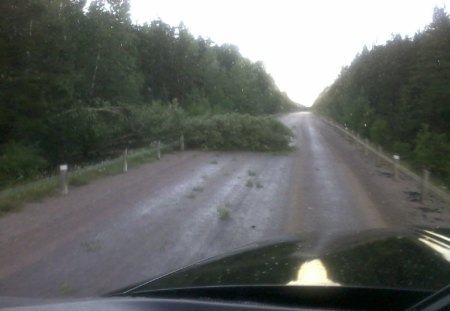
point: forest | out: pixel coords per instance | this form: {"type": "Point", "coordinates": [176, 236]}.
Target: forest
{"type": "Point", "coordinates": [398, 96]}
{"type": "Point", "coordinates": [79, 82]}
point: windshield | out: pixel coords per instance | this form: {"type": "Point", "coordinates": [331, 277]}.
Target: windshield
{"type": "Point", "coordinates": [141, 137]}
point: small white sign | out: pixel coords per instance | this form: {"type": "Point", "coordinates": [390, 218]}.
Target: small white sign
{"type": "Point", "coordinates": [396, 157]}
{"type": "Point", "coordinates": [63, 167]}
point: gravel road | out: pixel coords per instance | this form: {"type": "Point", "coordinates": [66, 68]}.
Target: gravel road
{"type": "Point", "coordinates": [193, 205]}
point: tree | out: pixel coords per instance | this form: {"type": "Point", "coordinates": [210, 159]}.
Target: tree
{"type": "Point", "coordinates": [78, 85]}
{"type": "Point", "coordinates": [394, 89]}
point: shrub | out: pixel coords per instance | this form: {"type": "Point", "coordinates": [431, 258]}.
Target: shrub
{"type": "Point", "coordinates": [432, 151]}
{"type": "Point", "coordinates": [224, 213]}
{"type": "Point", "coordinates": [379, 131]}
{"type": "Point", "coordinates": [19, 162]}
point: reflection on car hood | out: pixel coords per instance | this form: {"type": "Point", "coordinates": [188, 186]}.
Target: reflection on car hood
{"type": "Point", "coordinates": [417, 259]}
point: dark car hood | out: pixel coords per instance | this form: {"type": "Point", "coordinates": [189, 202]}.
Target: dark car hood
{"type": "Point", "coordinates": [413, 259]}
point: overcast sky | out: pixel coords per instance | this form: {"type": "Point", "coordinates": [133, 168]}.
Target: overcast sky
{"type": "Point", "coordinates": [303, 44]}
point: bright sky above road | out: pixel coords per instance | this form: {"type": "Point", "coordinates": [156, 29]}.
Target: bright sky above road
{"type": "Point", "coordinates": [303, 44]}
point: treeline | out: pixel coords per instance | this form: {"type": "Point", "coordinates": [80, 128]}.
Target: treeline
{"type": "Point", "coordinates": [77, 83]}
{"type": "Point", "coordinates": [398, 95]}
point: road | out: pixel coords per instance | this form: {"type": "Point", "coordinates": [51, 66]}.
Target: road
{"type": "Point", "coordinates": [164, 215]}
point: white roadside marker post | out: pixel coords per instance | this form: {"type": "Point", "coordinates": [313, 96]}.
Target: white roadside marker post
{"type": "Point", "coordinates": [396, 160]}
{"type": "Point", "coordinates": [425, 183]}
{"type": "Point", "coordinates": [182, 142]}
{"type": "Point", "coordinates": [380, 154]}
{"type": "Point", "coordinates": [63, 178]}
{"type": "Point", "coordinates": [125, 160]}
{"type": "Point", "coordinates": [158, 150]}
{"type": "Point", "coordinates": [366, 147]}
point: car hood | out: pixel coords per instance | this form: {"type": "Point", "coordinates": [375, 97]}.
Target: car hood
{"type": "Point", "coordinates": [413, 259]}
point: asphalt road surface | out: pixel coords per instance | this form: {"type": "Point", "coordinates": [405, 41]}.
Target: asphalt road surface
{"type": "Point", "coordinates": [193, 205]}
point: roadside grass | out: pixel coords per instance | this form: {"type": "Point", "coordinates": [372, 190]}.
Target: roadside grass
{"type": "Point", "coordinates": [12, 199]}
{"type": "Point", "coordinates": [85, 176]}
{"type": "Point", "coordinates": [289, 150]}
{"type": "Point", "coordinates": [224, 213]}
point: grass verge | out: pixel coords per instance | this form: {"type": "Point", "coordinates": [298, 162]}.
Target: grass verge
{"type": "Point", "coordinates": [14, 198]}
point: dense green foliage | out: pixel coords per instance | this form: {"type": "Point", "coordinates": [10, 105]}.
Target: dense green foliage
{"type": "Point", "coordinates": [237, 132]}
{"type": "Point", "coordinates": [398, 95]}
{"type": "Point", "coordinates": [77, 84]}
{"type": "Point", "coordinates": [19, 162]}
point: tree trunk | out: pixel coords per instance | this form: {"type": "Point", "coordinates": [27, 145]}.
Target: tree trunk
{"type": "Point", "coordinates": [95, 71]}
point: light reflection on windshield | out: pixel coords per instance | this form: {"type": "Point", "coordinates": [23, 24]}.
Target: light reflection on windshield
{"type": "Point", "coordinates": [439, 246]}
{"type": "Point", "coordinates": [440, 236]}
{"type": "Point", "coordinates": [313, 273]}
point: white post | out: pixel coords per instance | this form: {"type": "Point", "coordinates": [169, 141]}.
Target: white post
{"type": "Point", "coordinates": [158, 150]}
{"type": "Point", "coordinates": [182, 142]}
{"type": "Point", "coordinates": [396, 160]}
{"type": "Point", "coordinates": [347, 134]}
{"type": "Point", "coordinates": [125, 160]}
{"type": "Point", "coordinates": [358, 141]}
{"type": "Point", "coordinates": [63, 178]}
{"type": "Point", "coordinates": [366, 147]}
{"type": "Point", "coordinates": [425, 182]}
{"type": "Point", "coordinates": [380, 154]}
